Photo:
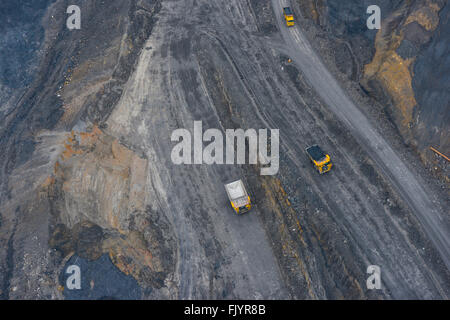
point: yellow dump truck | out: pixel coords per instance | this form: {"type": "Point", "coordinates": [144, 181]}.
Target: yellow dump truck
{"type": "Point", "coordinates": [239, 198]}
{"type": "Point", "coordinates": [321, 161]}
{"type": "Point", "coordinates": [288, 16]}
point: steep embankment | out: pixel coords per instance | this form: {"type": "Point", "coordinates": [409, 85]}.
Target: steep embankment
{"type": "Point", "coordinates": [45, 167]}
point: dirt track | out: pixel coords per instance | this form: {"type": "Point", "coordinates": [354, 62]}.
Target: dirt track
{"type": "Point", "coordinates": [309, 236]}
{"type": "Point", "coordinates": [219, 256]}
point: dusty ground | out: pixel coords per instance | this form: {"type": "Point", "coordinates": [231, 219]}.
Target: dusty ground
{"type": "Point", "coordinates": [170, 227]}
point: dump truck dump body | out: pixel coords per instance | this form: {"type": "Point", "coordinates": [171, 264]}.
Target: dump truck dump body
{"type": "Point", "coordinates": [238, 196]}
{"type": "Point", "coordinates": [288, 16]}
{"type": "Point", "coordinates": [321, 161]}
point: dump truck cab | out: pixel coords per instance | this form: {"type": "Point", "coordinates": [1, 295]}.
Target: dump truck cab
{"type": "Point", "coordinates": [321, 161]}
{"type": "Point", "coordinates": [288, 16]}
{"type": "Point", "coordinates": [238, 196]}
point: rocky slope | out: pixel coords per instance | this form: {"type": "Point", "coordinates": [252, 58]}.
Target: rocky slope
{"type": "Point", "coordinates": [54, 172]}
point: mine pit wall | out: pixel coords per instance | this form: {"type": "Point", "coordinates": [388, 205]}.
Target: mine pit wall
{"type": "Point", "coordinates": [401, 66]}
{"type": "Point", "coordinates": [48, 163]}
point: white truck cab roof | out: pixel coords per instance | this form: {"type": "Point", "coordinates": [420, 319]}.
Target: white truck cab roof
{"type": "Point", "coordinates": [236, 193]}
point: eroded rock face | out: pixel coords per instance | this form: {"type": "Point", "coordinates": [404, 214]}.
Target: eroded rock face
{"type": "Point", "coordinates": [68, 80]}
{"type": "Point", "coordinates": [98, 198]}
{"type": "Point", "coordinates": [401, 65]}
{"type": "Point", "coordinates": [99, 175]}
